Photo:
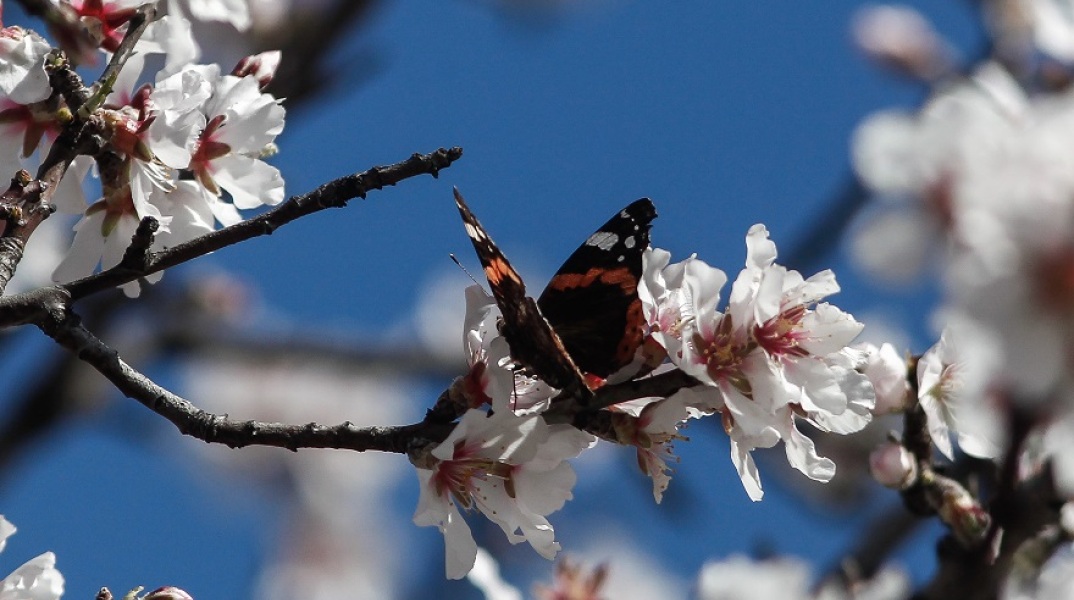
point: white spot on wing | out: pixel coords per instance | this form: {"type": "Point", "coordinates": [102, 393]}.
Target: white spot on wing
{"type": "Point", "coordinates": [474, 232]}
{"type": "Point", "coordinates": [605, 240]}
{"type": "Point", "coordinates": [629, 242]}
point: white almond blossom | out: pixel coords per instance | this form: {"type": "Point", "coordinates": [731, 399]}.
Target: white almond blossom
{"type": "Point", "coordinates": [510, 468]}
{"type": "Point", "coordinates": [22, 66]}
{"type": "Point", "coordinates": [887, 371]}
{"type": "Point", "coordinates": [951, 393]}
{"type": "Point", "coordinates": [740, 578]}
{"type": "Point", "coordinates": [235, 12]}
{"type": "Point", "coordinates": [216, 127]}
{"type": "Point", "coordinates": [992, 170]}
{"type": "Point", "coordinates": [666, 301]}
{"type": "Point", "coordinates": [241, 125]}
{"type": "Point", "coordinates": [37, 579]}
{"type": "Point", "coordinates": [771, 357]}
{"type": "Point", "coordinates": [789, 578]}
{"type": "Point", "coordinates": [1053, 27]}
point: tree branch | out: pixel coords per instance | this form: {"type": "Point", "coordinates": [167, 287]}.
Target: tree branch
{"type": "Point", "coordinates": [66, 329]}
{"type": "Point", "coordinates": [334, 194]}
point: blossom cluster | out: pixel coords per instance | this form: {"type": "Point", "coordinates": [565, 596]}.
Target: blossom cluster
{"type": "Point", "coordinates": [186, 148]}
{"type": "Point", "coordinates": [978, 184]}
{"type": "Point", "coordinates": [773, 356]}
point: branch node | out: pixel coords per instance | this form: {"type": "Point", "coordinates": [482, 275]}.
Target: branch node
{"type": "Point", "coordinates": [138, 256]}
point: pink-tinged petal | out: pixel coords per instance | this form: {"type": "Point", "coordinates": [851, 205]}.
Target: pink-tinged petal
{"type": "Point", "coordinates": [546, 491]}
{"type": "Point", "coordinates": [476, 326]}
{"type": "Point", "coordinates": [191, 214]}
{"type": "Point", "coordinates": [517, 525]}
{"type": "Point", "coordinates": [115, 245]}
{"type": "Point", "coordinates": [254, 125]}
{"type": "Point", "coordinates": [760, 251]}
{"type": "Point", "coordinates": [70, 196]}
{"type": "Point", "coordinates": [224, 212]}
{"type": "Point", "coordinates": [563, 442]}
{"type": "Point", "coordinates": [22, 66]}
{"type": "Point", "coordinates": [768, 294]}
{"type": "Point", "coordinates": [235, 12]}
{"type": "Point", "coordinates": [747, 470]}
{"type": "Point", "coordinates": [816, 288]}
{"type": "Point", "coordinates": [250, 182]}
{"type": "Point", "coordinates": [703, 284]}
{"type": "Point", "coordinates": [652, 285]}
{"type": "Point", "coordinates": [858, 391]}
{"type": "Point", "coordinates": [701, 398]}
{"type": "Point", "coordinates": [828, 329]}
{"type": "Point", "coordinates": [173, 135]}
{"type": "Point", "coordinates": [802, 453]}
{"type": "Point", "coordinates": [6, 531]}
{"type": "Point", "coordinates": [37, 579]}
{"type": "Point", "coordinates": [460, 549]}
{"type": "Point", "coordinates": [769, 388]}
{"type": "Point", "coordinates": [84, 255]}
{"type": "Point", "coordinates": [820, 390]}
{"type": "Point", "coordinates": [887, 371]}
{"type": "Point", "coordinates": [172, 36]}
{"type": "Point", "coordinates": [753, 422]}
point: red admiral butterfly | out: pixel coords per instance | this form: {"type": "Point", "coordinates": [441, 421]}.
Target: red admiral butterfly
{"type": "Point", "coordinates": [589, 319]}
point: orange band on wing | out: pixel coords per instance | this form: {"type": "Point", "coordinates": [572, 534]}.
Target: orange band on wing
{"type": "Point", "coordinates": [621, 277]}
{"type": "Point", "coordinates": [498, 269]}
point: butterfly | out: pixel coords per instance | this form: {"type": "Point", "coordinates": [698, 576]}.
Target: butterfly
{"type": "Point", "coordinates": [588, 323]}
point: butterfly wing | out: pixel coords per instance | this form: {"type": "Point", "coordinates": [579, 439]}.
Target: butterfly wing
{"type": "Point", "coordinates": [533, 342]}
{"type": "Point", "coordinates": [592, 302]}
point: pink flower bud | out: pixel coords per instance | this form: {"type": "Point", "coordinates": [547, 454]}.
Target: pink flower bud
{"type": "Point", "coordinates": [262, 66]}
{"type": "Point", "coordinates": [968, 521]}
{"type": "Point", "coordinates": [893, 466]}
{"type": "Point", "coordinates": [168, 593]}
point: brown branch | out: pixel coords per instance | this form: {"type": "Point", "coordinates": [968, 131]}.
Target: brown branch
{"type": "Point", "coordinates": [1020, 511]}
{"type": "Point", "coordinates": [334, 194]}
{"type": "Point", "coordinates": [59, 323]}
{"type": "Point", "coordinates": [66, 329]}
{"type": "Point", "coordinates": [878, 540]}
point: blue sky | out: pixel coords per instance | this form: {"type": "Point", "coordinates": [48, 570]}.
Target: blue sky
{"type": "Point", "coordinates": [725, 113]}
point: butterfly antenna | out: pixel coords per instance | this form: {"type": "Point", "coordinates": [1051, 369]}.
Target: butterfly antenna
{"type": "Point", "coordinates": [459, 264]}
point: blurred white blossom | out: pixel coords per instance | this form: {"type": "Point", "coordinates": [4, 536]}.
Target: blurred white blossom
{"type": "Point", "coordinates": [37, 579]}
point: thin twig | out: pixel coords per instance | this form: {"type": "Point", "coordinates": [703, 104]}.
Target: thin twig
{"type": "Point", "coordinates": [334, 194]}
{"type": "Point", "coordinates": [136, 26]}
{"type": "Point", "coordinates": [66, 328]}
